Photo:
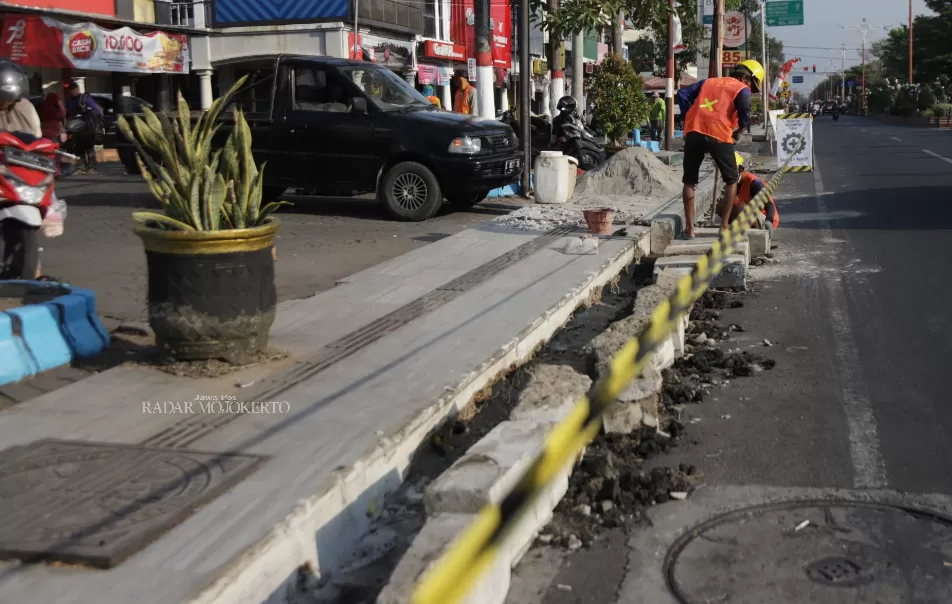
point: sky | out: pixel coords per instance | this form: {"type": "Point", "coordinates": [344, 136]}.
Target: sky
{"type": "Point", "coordinates": [819, 32]}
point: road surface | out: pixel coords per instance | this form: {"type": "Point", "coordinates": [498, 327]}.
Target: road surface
{"type": "Point", "coordinates": [321, 240]}
{"type": "Point", "coordinates": [857, 313]}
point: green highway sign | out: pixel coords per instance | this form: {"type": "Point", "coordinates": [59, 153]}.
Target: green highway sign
{"type": "Point", "coordinates": [784, 12]}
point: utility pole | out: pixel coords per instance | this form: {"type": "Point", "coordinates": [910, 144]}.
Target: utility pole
{"type": "Point", "coordinates": [486, 103]}
{"type": "Point", "coordinates": [525, 88]}
{"type": "Point", "coordinates": [670, 84]}
{"type": "Point", "coordinates": [557, 52]}
{"type": "Point", "coordinates": [843, 75]}
{"type": "Point", "coordinates": [356, 44]}
{"type": "Point", "coordinates": [578, 70]}
{"type": "Point", "coordinates": [763, 52]}
{"type": "Point", "coordinates": [719, 19]}
{"type": "Point", "coordinates": [863, 29]}
{"type": "Point", "coordinates": [910, 41]}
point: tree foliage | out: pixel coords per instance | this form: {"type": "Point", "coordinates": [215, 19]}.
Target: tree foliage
{"type": "Point", "coordinates": [617, 94]}
{"type": "Point", "coordinates": [576, 16]}
{"type": "Point", "coordinates": [932, 46]}
{"type": "Point", "coordinates": [650, 52]}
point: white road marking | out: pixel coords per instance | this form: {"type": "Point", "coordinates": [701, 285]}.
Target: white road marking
{"type": "Point", "coordinates": [896, 139]}
{"type": "Point", "coordinates": [869, 469]}
{"type": "Point", "coordinates": [936, 155]}
{"type": "Point", "coordinates": [864, 129]}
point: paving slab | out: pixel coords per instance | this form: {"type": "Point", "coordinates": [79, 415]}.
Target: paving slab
{"type": "Point", "coordinates": [349, 431]}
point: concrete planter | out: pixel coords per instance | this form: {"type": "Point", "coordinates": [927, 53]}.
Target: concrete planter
{"type": "Point", "coordinates": [211, 294]}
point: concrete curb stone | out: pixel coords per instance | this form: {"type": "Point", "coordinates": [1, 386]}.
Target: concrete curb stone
{"type": "Point", "coordinates": [550, 394]}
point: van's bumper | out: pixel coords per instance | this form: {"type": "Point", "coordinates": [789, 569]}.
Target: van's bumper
{"type": "Point", "coordinates": [461, 175]}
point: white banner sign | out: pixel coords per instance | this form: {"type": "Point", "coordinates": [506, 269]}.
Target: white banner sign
{"type": "Point", "coordinates": [795, 141]}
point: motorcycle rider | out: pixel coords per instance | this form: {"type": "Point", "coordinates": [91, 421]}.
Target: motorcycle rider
{"type": "Point", "coordinates": [17, 113]}
{"type": "Point", "coordinates": [568, 111]}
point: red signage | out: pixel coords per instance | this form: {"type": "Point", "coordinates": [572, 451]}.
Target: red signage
{"type": "Point", "coordinates": [98, 7]}
{"type": "Point", "coordinates": [444, 50]}
{"type": "Point", "coordinates": [463, 30]}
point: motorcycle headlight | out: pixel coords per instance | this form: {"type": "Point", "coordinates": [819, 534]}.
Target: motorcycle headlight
{"type": "Point", "coordinates": [30, 195]}
{"type": "Point", "coordinates": [465, 145]}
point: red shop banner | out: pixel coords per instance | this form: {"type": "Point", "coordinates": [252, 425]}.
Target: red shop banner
{"type": "Point", "coordinates": [444, 50]}
{"type": "Point", "coordinates": [43, 42]}
{"type": "Point", "coordinates": [463, 30]}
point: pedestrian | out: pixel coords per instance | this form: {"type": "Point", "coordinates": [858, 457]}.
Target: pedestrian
{"type": "Point", "coordinates": [430, 95]}
{"type": "Point", "coordinates": [52, 118]}
{"type": "Point", "coordinates": [81, 106]}
{"type": "Point", "coordinates": [465, 99]}
{"type": "Point", "coordinates": [749, 185]}
{"type": "Point", "coordinates": [657, 115]}
{"type": "Point", "coordinates": [716, 111]}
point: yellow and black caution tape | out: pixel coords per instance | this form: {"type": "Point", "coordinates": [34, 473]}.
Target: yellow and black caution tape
{"type": "Point", "coordinates": [454, 574]}
{"type": "Point", "coordinates": [795, 116]}
{"type": "Point", "coordinates": [798, 169]}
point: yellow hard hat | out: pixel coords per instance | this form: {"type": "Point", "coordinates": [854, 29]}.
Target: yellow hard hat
{"type": "Point", "coordinates": [739, 159]}
{"type": "Point", "coordinates": [756, 70]}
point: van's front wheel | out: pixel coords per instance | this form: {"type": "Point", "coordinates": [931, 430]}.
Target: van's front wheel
{"type": "Point", "coordinates": [411, 192]}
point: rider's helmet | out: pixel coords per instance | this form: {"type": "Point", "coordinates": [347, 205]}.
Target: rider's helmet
{"type": "Point", "coordinates": [14, 84]}
{"type": "Point", "coordinates": [567, 104]}
{"type": "Point", "coordinates": [755, 70]}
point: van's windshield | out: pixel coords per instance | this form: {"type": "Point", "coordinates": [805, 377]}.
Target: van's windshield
{"type": "Point", "coordinates": [388, 90]}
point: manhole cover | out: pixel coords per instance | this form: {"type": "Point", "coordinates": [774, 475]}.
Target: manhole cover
{"type": "Point", "coordinates": [823, 552]}
{"type": "Point", "coordinates": [98, 503]}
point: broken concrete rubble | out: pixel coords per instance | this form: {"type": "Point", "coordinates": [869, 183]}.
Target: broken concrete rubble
{"type": "Point", "coordinates": [550, 394]}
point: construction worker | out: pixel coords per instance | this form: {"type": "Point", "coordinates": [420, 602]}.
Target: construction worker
{"type": "Point", "coordinates": [465, 99]}
{"type": "Point", "coordinates": [716, 111]}
{"type": "Point", "coordinates": [656, 117]}
{"type": "Point", "coordinates": [748, 187]}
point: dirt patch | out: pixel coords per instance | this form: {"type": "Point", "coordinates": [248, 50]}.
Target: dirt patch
{"type": "Point", "coordinates": [611, 486]}
{"type": "Point", "coordinates": [634, 171]}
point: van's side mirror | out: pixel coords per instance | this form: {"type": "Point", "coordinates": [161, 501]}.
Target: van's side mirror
{"type": "Point", "coordinates": [359, 105]}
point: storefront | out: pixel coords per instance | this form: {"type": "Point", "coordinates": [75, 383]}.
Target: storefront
{"type": "Point", "coordinates": [463, 33]}
{"type": "Point", "coordinates": [122, 61]}
{"type": "Point", "coordinates": [437, 62]}
{"type": "Point", "coordinates": [393, 53]}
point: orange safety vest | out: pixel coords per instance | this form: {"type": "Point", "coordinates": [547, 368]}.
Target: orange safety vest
{"type": "Point", "coordinates": [464, 100]}
{"type": "Point", "coordinates": [713, 112]}
{"type": "Point", "coordinates": [743, 196]}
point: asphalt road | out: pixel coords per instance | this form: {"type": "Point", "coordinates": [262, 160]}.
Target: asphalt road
{"type": "Point", "coordinates": [856, 314]}
{"type": "Point", "coordinates": [321, 240]}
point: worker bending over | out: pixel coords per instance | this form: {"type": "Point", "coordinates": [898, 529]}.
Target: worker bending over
{"type": "Point", "coordinates": [747, 188]}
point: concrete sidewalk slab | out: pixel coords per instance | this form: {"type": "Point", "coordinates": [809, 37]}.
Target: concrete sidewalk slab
{"type": "Point", "coordinates": [353, 424]}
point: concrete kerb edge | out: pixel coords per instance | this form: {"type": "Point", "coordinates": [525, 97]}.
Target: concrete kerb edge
{"type": "Point", "coordinates": [272, 566]}
{"type": "Point", "coordinates": [415, 563]}
{"type": "Point", "coordinates": [50, 334]}
{"type": "Point", "coordinates": [667, 222]}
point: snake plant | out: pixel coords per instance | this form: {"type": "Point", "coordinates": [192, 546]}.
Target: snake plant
{"type": "Point", "coordinates": [199, 189]}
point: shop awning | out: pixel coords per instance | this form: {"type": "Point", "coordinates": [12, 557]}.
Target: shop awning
{"type": "Point", "coordinates": [44, 42]}
{"type": "Point", "coordinates": [657, 83]}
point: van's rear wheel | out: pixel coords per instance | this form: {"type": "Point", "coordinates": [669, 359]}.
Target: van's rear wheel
{"type": "Point", "coordinates": [411, 192]}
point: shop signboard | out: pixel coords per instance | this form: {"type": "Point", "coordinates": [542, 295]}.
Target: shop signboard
{"type": "Point", "coordinates": [444, 50]}
{"type": "Point", "coordinates": [43, 42]}
{"type": "Point", "coordinates": [96, 7]}
{"type": "Point", "coordinates": [736, 28]}
{"type": "Point", "coordinates": [435, 75]}
{"type": "Point", "coordinates": [463, 30]}
{"type": "Point", "coordinates": [394, 54]}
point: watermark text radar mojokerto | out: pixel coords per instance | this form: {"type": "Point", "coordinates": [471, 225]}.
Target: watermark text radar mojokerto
{"type": "Point", "coordinates": [215, 405]}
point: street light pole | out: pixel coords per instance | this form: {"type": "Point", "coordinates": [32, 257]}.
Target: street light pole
{"type": "Point", "coordinates": [763, 52]}
{"type": "Point", "coordinates": [910, 41]}
{"type": "Point", "coordinates": [864, 31]}
{"type": "Point", "coordinates": [670, 84]}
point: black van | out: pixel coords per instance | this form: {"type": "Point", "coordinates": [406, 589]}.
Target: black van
{"type": "Point", "coordinates": [338, 127]}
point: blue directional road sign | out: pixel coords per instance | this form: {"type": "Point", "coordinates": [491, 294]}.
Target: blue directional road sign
{"type": "Point", "coordinates": [797, 79]}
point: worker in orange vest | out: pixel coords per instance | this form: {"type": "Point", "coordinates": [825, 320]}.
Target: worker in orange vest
{"type": "Point", "coordinates": [715, 110]}
{"type": "Point", "coordinates": [748, 187]}
{"type": "Point", "coordinates": [465, 99]}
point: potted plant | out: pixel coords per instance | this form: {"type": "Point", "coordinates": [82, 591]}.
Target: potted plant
{"type": "Point", "coordinates": [210, 254]}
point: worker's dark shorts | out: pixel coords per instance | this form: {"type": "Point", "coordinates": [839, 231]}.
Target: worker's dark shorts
{"type": "Point", "coordinates": [696, 145]}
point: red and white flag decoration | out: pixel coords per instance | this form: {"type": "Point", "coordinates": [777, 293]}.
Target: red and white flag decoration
{"type": "Point", "coordinates": [678, 39]}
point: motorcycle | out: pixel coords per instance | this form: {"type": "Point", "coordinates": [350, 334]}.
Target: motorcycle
{"type": "Point", "coordinates": [540, 130]}
{"type": "Point", "coordinates": [577, 141]}
{"type": "Point", "coordinates": [28, 167]}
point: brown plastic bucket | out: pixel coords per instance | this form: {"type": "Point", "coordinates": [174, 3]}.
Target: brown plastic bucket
{"type": "Point", "coordinates": [599, 220]}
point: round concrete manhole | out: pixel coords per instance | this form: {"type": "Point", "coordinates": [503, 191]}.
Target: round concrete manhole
{"type": "Point", "coordinates": [823, 552]}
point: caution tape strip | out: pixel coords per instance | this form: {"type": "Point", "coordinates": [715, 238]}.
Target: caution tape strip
{"type": "Point", "coordinates": [454, 574]}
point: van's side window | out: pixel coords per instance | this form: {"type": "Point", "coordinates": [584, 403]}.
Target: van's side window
{"type": "Point", "coordinates": [317, 90]}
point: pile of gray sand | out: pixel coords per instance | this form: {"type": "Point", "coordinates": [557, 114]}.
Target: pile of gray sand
{"type": "Point", "coordinates": [634, 171]}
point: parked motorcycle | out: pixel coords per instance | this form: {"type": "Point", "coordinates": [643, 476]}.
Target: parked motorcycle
{"type": "Point", "coordinates": [28, 167]}
{"type": "Point", "coordinates": [573, 138]}
{"type": "Point", "coordinates": [540, 130]}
